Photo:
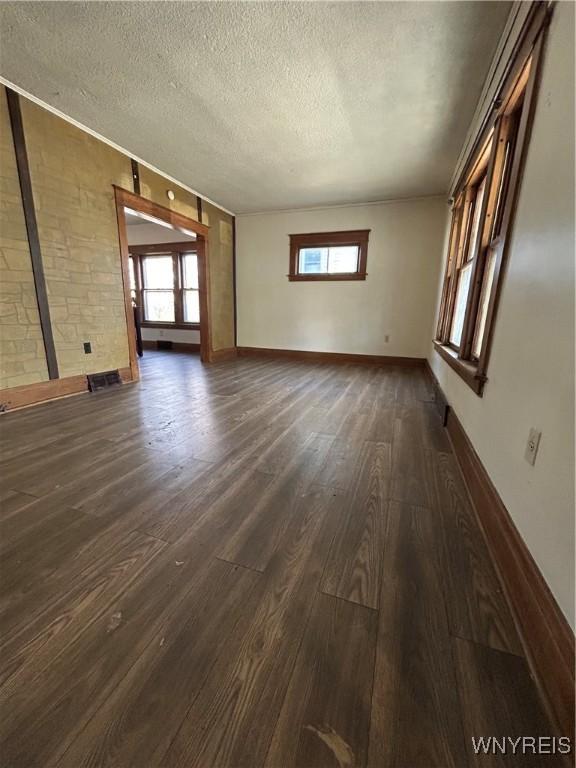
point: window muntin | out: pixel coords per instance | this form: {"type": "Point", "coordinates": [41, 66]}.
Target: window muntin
{"type": "Point", "coordinates": [329, 256]}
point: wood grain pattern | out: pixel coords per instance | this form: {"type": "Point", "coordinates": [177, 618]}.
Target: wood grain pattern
{"type": "Point", "coordinates": [325, 718]}
{"type": "Point", "coordinates": [165, 554]}
{"type": "Point", "coordinates": [414, 680]}
{"type": "Point", "coordinates": [486, 679]}
{"type": "Point", "coordinates": [354, 565]}
{"type": "Point", "coordinates": [477, 609]}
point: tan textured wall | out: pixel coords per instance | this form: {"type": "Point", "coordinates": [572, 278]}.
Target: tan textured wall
{"type": "Point", "coordinates": [72, 175]}
{"type": "Point", "coordinates": [22, 355]}
{"type": "Point", "coordinates": [220, 261]}
{"type": "Point", "coordinates": [154, 187]}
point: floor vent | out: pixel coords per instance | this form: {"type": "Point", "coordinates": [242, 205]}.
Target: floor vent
{"type": "Point", "coordinates": [102, 380]}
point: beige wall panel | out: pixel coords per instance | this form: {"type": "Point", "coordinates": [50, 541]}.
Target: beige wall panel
{"type": "Point", "coordinates": [220, 261]}
{"type": "Point", "coordinates": [22, 354]}
{"type": "Point", "coordinates": [72, 176]}
{"type": "Point", "coordinates": [154, 187]}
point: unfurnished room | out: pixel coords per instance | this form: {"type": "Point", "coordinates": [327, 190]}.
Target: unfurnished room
{"type": "Point", "coordinates": [287, 346]}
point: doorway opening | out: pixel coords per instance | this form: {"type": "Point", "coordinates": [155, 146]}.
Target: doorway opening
{"type": "Point", "coordinates": [164, 268]}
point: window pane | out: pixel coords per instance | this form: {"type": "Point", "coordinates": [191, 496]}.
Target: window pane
{"type": "Point", "coordinates": [313, 261]}
{"type": "Point", "coordinates": [343, 258]}
{"type": "Point", "coordinates": [460, 305]}
{"type": "Point", "coordinates": [191, 307]}
{"type": "Point", "coordinates": [190, 270]}
{"type": "Point", "coordinates": [158, 272]}
{"type": "Point", "coordinates": [484, 300]}
{"type": "Point", "coordinates": [476, 219]}
{"type": "Point", "coordinates": [131, 273]}
{"type": "Point", "coordinates": [159, 306]}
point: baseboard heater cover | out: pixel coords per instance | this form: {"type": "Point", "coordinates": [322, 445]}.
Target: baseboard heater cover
{"type": "Point", "coordinates": [103, 380]}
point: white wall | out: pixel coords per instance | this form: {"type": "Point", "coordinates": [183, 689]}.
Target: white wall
{"type": "Point", "coordinates": [397, 298]}
{"type": "Point", "coordinates": [531, 371]}
{"type": "Point", "coordinates": [149, 233]}
{"type": "Point", "coordinates": [182, 335]}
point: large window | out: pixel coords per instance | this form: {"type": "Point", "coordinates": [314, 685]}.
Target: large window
{"type": "Point", "coordinates": [481, 220]}
{"type": "Point", "coordinates": [165, 285]}
{"type": "Point", "coordinates": [329, 255]}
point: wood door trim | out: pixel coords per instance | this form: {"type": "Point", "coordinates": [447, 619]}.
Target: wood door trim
{"type": "Point", "coordinates": [179, 221]}
{"type": "Point", "coordinates": [29, 209]}
{"type": "Point", "coordinates": [545, 633]}
{"type": "Point", "coordinates": [143, 205]}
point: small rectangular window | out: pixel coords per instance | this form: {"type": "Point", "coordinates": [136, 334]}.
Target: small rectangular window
{"type": "Point", "coordinates": [329, 255]}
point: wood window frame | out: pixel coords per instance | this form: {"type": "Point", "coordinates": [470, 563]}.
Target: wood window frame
{"type": "Point", "coordinates": [176, 251]}
{"type": "Point", "coordinates": [357, 237]}
{"type": "Point", "coordinates": [499, 152]}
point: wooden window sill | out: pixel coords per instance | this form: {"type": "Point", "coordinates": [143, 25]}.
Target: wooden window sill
{"type": "Point", "coordinates": [181, 326]}
{"type": "Point", "coordinates": [466, 370]}
{"type": "Point", "coordinates": [316, 278]}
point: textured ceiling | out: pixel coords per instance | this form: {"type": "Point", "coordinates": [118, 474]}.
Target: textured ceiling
{"type": "Point", "coordinates": [262, 106]}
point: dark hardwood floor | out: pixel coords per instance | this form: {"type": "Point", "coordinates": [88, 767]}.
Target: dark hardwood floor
{"type": "Point", "coordinates": [256, 563]}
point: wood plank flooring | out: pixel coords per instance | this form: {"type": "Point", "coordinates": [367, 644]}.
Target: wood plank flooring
{"type": "Point", "coordinates": [255, 563]}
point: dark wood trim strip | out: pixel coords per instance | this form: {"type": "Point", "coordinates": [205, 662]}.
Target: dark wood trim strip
{"type": "Point", "coordinates": [53, 389]}
{"type": "Point", "coordinates": [169, 326]}
{"type": "Point", "coordinates": [135, 176]}
{"type": "Point", "coordinates": [178, 346]}
{"type": "Point", "coordinates": [235, 297]}
{"type": "Point", "coordinates": [199, 207]}
{"type": "Point", "coordinates": [179, 247]}
{"type": "Point", "coordinates": [546, 635]}
{"type": "Point", "coordinates": [330, 357]}
{"type": "Point", "coordinates": [32, 230]}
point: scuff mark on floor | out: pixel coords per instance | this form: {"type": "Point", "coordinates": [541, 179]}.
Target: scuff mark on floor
{"type": "Point", "coordinates": [114, 622]}
{"type": "Point", "coordinates": [335, 743]}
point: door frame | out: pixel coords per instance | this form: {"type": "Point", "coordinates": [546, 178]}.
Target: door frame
{"type": "Point", "coordinates": [125, 199]}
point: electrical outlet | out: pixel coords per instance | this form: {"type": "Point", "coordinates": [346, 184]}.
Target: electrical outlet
{"type": "Point", "coordinates": [532, 446]}
{"type": "Point", "coordinates": [87, 348]}
{"type": "Point", "coordinates": [386, 339]}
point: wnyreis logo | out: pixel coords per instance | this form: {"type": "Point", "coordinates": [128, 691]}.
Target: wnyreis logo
{"type": "Point", "coordinates": [521, 745]}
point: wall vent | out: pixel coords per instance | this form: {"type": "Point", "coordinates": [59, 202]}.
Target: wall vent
{"type": "Point", "coordinates": [103, 380]}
